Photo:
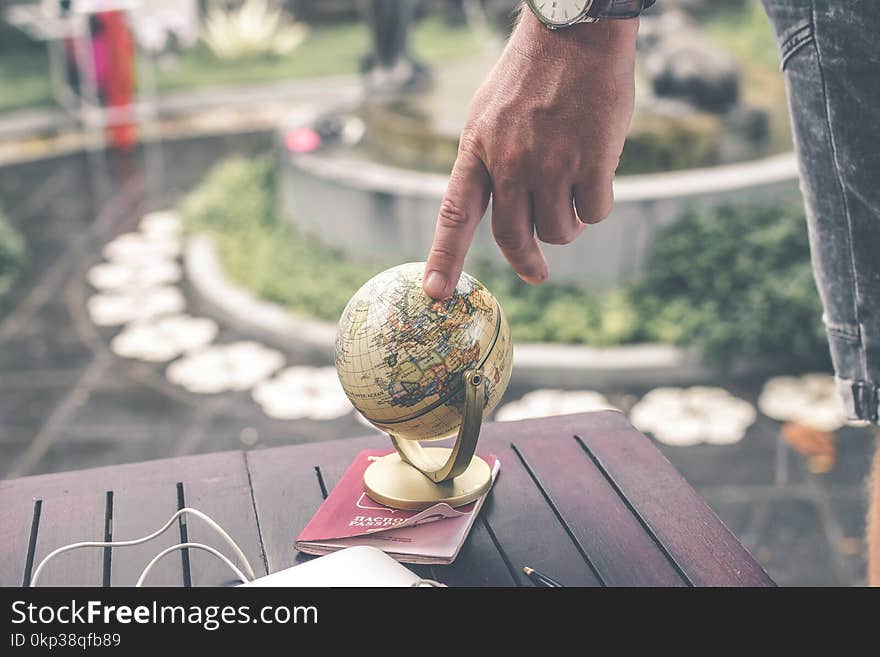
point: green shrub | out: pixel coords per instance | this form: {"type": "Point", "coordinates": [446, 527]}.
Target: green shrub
{"type": "Point", "coordinates": [667, 143]}
{"type": "Point", "coordinates": [236, 206]}
{"type": "Point", "coordinates": [12, 255]}
{"type": "Point", "coordinates": [734, 282]}
{"type": "Point", "coordinates": [549, 313]}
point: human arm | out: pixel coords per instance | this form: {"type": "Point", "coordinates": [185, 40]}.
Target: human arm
{"type": "Point", "coordinates": [542, 141]}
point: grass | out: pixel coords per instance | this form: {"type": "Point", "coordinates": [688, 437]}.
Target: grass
{"type": "Point", "coordinates": [745, 32]}
{"type": "Point", "coordinates": [235, 206]}
{"type": "Point", "coordinates": [24, 79]}
{"type": "Point", "coordinates": [328, 50]}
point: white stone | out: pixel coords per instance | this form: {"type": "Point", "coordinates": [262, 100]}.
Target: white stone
{"type": "Point", "coordinates": [728, 428]}
{"type": "Point", "coordinates": [687, 417]}
{"type": "Point", "coordinates": [811, 400]}
{"type": "Point", "coordinates": [161, 225]}
{"type": "Point", "coordinates": [236, 366]}
{"type": "Point", "coordinates": [550, 402]}
{"type": "Point", "coordinates": [681, 431]}
{"type": "Point", "coordinates": [138, 248]}
{"type": "Point", "coordinates": [304, 393]}
{"type": "Point", "coordinates": [115, 308]}
{"type": "Point", "coordinates": [138, 341]}
{"type": "Point", "coordinates": [664, 395]}
{"type": "Point", "coordinates": [115, 276]}
{"type": "Point", "coordinates": [164, 339]}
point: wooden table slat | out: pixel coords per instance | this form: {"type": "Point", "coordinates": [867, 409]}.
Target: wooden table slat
{"type": "Point", "coordinates": [137, 512]}
{"type": "Point", "coordinates": [286, 495]}
{"type": "Point", "coordinates": [92, 482]}
{"type": "Point", "coordinates": [702, 546]}
{"type": "Point", "coordinates": [522, 521]}
{"type": "Point", "coordinates": [611, 535]}
{"type": "Point", "coordinates": [117, 477]}
{"type": "Point", "coordinates": [66, 519]}
{"type": "Point", "coordinates": [16, 516]}
{"type": "Point", "coordinates": [479, 563]}
{"type": "Point", "coordinates": [227, 500]}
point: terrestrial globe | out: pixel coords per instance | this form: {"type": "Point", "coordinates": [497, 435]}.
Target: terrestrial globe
{"type": "Point", "coordinates": [422, 369]}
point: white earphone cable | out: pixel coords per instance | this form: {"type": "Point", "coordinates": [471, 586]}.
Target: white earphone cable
{"type": "Point", "coordinates": [198, 546]}
{"type": "Point", "coordinates": [209, 521]}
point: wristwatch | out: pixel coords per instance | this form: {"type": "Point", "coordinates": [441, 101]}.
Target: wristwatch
{"type": "Point", "coordinates": [562, 13]}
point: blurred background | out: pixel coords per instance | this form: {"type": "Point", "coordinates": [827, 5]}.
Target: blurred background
{"type": "Point", "coordinates": [190, 192]}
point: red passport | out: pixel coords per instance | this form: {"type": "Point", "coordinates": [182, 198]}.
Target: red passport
{"type": "Point", "coordinates": [350, 517]}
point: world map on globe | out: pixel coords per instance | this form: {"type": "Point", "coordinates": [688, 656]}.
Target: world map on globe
{"type": "Point", "coordinates": [401, 355]}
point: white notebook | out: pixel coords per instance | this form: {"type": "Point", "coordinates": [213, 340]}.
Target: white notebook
{"type": "Point", "coordinates": [360, 566]}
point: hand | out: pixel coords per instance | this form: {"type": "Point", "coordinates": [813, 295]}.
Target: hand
{"type": "Point", "coordinates": [543, 139]}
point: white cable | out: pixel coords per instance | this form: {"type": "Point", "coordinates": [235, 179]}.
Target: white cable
{"type": "Point", "coordinates": [181, 546]}
{"type": "Point", "coordinates": [210, 522]}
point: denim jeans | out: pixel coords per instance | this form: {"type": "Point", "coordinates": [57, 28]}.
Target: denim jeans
{"type": "Point", "coordinates": [830, 53]}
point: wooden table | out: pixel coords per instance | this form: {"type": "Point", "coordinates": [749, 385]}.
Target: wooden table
{"type": "Point", "coordinates": [585, 498]}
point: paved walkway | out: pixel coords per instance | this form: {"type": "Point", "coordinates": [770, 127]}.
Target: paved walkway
{"type": "Point", "coordinates": [67, 402]}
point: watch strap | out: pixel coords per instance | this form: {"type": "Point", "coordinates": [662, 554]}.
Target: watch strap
{"type": "Point", "coordinates": [603, 9]}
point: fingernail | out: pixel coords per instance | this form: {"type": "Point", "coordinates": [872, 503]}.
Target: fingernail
{"type": "Point", "coordinates": [535, 279]}
{"type": "Point", "coordinates": [435, 285]}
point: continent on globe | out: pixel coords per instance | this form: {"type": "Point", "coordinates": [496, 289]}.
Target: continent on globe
{"type": "Point", "coordinates": [401, 355]}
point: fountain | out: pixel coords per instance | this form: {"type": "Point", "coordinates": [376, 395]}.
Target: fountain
{"type": "Point", "coordinates": [374, 185]}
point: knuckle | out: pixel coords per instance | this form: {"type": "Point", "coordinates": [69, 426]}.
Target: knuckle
{"type": "Point", "coordinates": [599, 168]}
{"type": "Point", "coordinates": [565, 160]}
{"type": "Point", "coordinates": [470, 144]}
{"type": "Point", "coordinates": [452, 215]}
{"type": "Point", "coordinates": [507, 182]}
{"type": "Point", "coordinates": [518, 158]}
{"type": "Point", "coordinates": [511, 241]}
{"type": "Point", "coordinates": [512, 157]}
{"type": "Point", "coordinates": [596, 213]}
{"type": "Point", "coordinates": [545, 111]}
{"type": "Point", "coordinates": [443, 254]}
{"type": "Point", "coordinates": [557, 235]}
{"type": "Point", "coordinates": [516, 150]}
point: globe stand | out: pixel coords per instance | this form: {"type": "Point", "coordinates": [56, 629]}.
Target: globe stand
{"type": "Point", "coordinates": [415, 477]}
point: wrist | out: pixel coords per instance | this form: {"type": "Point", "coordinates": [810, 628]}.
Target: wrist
{"type": "Point", "coordinates": [611, 35]}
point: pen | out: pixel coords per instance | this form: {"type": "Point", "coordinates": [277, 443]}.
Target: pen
{"type": "Point", "coordinates": [539, 578]}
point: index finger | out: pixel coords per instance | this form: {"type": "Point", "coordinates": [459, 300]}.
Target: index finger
{"type": "Point", "coordinates": [464, 204]}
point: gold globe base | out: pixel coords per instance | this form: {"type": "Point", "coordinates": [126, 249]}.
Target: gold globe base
{"type": "Point", "coordinates": [395, 483]}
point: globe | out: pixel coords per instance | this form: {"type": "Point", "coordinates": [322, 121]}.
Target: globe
{"type": "Point", "coordinates": [401, 355]}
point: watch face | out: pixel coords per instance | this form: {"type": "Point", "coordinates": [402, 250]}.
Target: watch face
{"type": "Point", "coordinates": [560, 12]}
